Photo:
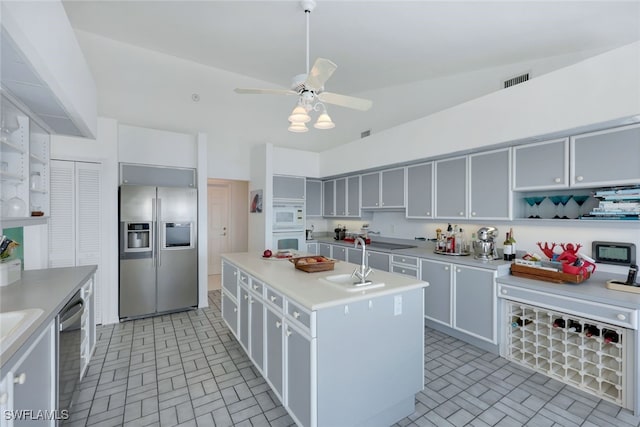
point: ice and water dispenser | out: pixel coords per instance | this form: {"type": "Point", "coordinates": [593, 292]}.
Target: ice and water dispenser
{"type": "Point", "coordinates": [138, 237]}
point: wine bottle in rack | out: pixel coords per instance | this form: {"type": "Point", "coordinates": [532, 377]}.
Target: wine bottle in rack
{"type": "Point", "coordinates": [574, 326]}
{"type": "Point", "coordinates": [519, 321]}
{"type": "Point", "coordinates": [610, 336]}
{"type": "Point", "coordinates": [559, 323]}
{"type": "Point", "coordinates": [591, 331]}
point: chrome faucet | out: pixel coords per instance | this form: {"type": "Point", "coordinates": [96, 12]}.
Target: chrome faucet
{"type": "Point", "coordinates": [363, 271]}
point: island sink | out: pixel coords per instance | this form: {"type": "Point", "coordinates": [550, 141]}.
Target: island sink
{"type": "Point", "coordinates": [350, 284]}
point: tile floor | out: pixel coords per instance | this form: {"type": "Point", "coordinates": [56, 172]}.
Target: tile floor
{"type": "Point", "coordinates": [187, 369]}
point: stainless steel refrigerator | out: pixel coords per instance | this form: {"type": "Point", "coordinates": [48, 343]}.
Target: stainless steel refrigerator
{"type": "Point", "coordinates": [158, 250]}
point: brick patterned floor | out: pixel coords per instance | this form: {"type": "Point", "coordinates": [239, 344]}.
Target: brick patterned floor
{"type": "Point", "coordinates": [187, 369]}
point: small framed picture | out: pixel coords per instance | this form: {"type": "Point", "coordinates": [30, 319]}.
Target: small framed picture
{"type": "Point", "coordinates": [255, 203]}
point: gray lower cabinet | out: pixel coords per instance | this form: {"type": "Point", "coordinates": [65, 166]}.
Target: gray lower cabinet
{"type": "Point", "coordinates": [608, 157]}
{"type": "Point", "coordinates": [299, 374]}
{"type": "Point", "coordinates": [437, 296]}
{"type": "Point", "coordinates": [312, 248]}
{"type": "Point", "coordinates": [256, 341]}
{"type": "Point", "coordinates": [527, 160]}
{"type": "Point", "coordinates": [378, 260]}
{"type": "Point", "coordinates": [461, 297]}
{"type": "Point", "coordinates": [244, 318]}
{"type": "Point", "coordinates": [230, 278]}
{"type": "Point", "coordinates": [313, 200]}
{"type": "Point", "coordinates": [34, 379]}
{"type": "Point", "coordinates": [475, 302]}
{"type": "Point", "coordinates": [354, 256]}
{"type": "Point", "coordinates": [489, 185]}
{"type": "Point", "coordinates": [339, 252]}
{"type": "Point", "coordinates": [230, 312]}
{"type": "Point", "coordinates": [451, 188]}
{"type": "Point", "coordinates": [324, 249]}
{"type": "Point", "coordinates": [420, 191]}
{"type": "Point", "coordinates": [273, 350]}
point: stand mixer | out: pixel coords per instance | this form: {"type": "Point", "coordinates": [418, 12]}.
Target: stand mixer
{"type": "Point", "coordinates": [485, 247]}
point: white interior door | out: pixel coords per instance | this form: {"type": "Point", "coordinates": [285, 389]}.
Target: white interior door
{"type": "Point", "coordinates": [218, 224]}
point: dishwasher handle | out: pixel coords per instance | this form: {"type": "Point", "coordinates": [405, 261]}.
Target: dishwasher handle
{"type": "Point", "coordinates": [71, 319]}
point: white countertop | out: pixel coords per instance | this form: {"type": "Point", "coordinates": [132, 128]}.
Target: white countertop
{"type": "Point", "coordinates": [308, 290]}
{"type": "Point", "coordinates": [49, 290]}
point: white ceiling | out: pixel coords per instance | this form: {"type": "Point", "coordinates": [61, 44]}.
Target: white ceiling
{"type": "Point", "coordinates": [376, 44]}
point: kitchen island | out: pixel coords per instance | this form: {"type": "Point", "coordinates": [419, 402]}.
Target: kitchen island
{"type": "Point", "coordinates": [334, 356]}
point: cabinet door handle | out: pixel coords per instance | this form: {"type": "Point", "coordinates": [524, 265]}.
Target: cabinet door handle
{"type": "Point", "coordinates": [473, 214]}
{"type": "Point", "coordinates": [579, 178]}
{"type": "Point", "coordinates": [458, 271]}
{"type": "Point", "coordinates": [289, 332]}
{"type": "Point", "coordinates": [235, 273]}
{"type": "Point", "coordinates": [20, 379]}
{"type": "Point", "coordinates": [273, 298]}
{"type": "Point", "coordinates": [428, 213]}
{"type": "Point", "coordinates": [296, 314]}
{"type": "Point", "coordinates": [460, 213]}
{"type": "Point", "coordinates": [246, 296]}
{"type": "Point", "coordinates": [446, 268]}
{"type": "Point", "coordinates": [621, 317]}
{"type": "Point", "coordinates": [235, 310]}
{"type": "Point", "coordinates": [557, 180]}
{"type": "Point", "coordinates": [504, 292]}
{"type": "Point", "coordinates": [255, 287]}
{"type": "Point", "coordinates": [278, 324]}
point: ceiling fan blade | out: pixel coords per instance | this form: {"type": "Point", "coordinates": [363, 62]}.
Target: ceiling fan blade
{"type": "Point", "coordinates": [320, 72]}
{"type": "Point", "coordinates": [265, 91]}
{"type": "Point", "coordinates": [345, 101]}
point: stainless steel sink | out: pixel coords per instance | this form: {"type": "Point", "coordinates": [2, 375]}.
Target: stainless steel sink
{"type": "Point", "coordinates": [14, 323]}
{"type": "Point", "coordinates": [348, 283]}
{"type": "Point", "coordinates": [389, 246]}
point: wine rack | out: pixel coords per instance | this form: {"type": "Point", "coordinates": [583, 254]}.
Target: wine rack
{"type": "Point", "coordinates": [587, 354]}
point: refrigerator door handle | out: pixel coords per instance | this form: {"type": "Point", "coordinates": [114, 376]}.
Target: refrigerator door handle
{"type": "Point", "coordinates": [154, 231]}
{"type": "Point", "coordinates": [159, 227]}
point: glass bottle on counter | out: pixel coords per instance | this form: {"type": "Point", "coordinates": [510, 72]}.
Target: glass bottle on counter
{"type": "Point", "coordinates": [507, 248]}
{"type": "Point", "coordinates": [512, 241]}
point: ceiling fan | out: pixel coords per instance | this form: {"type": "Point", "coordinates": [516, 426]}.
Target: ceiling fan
{"type": "Point", "coordinates": [309, 88]}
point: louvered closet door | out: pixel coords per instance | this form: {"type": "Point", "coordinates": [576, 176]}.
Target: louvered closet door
{"type": "Point", "coordinates": [62, 223]}
{"type": "Point", "coordinates": [74, 225]}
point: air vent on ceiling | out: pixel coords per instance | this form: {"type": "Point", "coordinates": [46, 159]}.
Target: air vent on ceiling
{"type": "Point", "coordinates": [365, 134]}
{"type": "Point", "coordinates": [516, 80]}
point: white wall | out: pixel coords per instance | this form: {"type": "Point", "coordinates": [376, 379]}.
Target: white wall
{"type": "Point", "coordinates": [157, 147]}
{"type": "Point", "coordinates": [599, 89]}
{"type": "Point", "coordinates": [296, 162]}
{"type": "Point", "coordinates": [260, 224]}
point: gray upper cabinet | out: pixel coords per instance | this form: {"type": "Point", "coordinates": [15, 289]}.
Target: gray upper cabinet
{"type": "Point", "coordinates": [314, 197]}
{"type": "Point", "coordinates": [371, 190]}
{"type": "Point", "coordinates": [383, 189]}
{"type": "Point", "coordinates": [288, 187]}
{"type": "Point", "coordinates": [353, 196]}
{"type": "Point", "coordinates": [543, 165]}
{"type": "Point", "coordinates": [451, 188]}
{"type": "Point", "coordinates": [489, 184]}
{"type": "Point", "coordinates": [607, 157]}
{"type": "Point", "coordinates": [420, 191]}
{"type": "Point", "coordinates": [341, 197]}
{"type": "Point", "coordinates": [328, 198]}
{"type": "Point", "coordinates": [393, 188]}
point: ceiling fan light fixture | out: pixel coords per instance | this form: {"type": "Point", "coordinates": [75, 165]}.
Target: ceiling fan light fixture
{"type": "Point", "coordinates": [299, 115]}
{"type": "Point", "coordinates": [324, 122]}
{"type": "Point", "coordinates": [298, 127]}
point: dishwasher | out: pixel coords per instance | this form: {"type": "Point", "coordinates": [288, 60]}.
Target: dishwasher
{"type": "Point", "coordinates": [68, 345]}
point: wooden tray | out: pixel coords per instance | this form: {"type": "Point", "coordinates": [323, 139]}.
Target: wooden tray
{"type": "Point", "coordinates": [321, 263]}
{"type": "Point", "coordinates": [620, 286]}
{"type": "Point", "coordinates": [546, 275]}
